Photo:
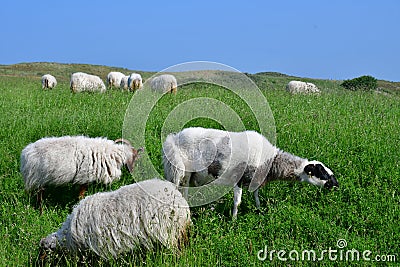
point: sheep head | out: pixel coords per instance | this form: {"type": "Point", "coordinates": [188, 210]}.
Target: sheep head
{"type": "Point", "coordinates": [316, 173]}
{"type": "Point", "coordinates": [47, 245]}
{"type": "Point", "coordinates": [135, 155]}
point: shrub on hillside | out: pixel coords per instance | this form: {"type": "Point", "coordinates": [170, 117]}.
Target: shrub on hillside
{"type": "Point", "coordinates": [363, 83]}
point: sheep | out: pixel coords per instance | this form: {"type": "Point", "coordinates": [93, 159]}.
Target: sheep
{"type": "Point", "coordinates": [295, 87]}
{"type": "Point", "coordinates": [135, 82]}
{"type": "Point", "coordinates": [114, 79]}
{"type": "Point", "coordinates": [74, 159]}
{"type": "Point", "coordinates": [136, 216]}
{"type": "Point", "coordinates": [86, 82]}
{"type": "Point", "coordinates": [196, 156]}
{"type": "Point", "coordinates": [124, 83]}
{"type": "Point", "coordinates": [165, 83]}
{"type": "Point", "coordinates": [48, 81]}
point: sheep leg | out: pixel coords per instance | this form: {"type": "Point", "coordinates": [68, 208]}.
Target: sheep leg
{"type": "Point", "coordinates": [257, 199]}
{"type": "Point", "coordinates": [185, 184]}
{"type": "Point", "coordinates": [237, 199]}
{"type": "Point", "coordinates": [39, 200]}
{"type": "Point", "coordinates": [82, 190]}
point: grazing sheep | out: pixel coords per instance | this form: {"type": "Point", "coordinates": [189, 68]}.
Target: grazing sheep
{"type": "Point", "coordinates": [114, 79]}
{"type": "Point", "coordinates": [74, 159]}
{"type": "Point", "coordinates": [86, 82]}
{"type": "Point", "coordinates": [165, 83]}
{"type": "Point", "coordinates": [136, 216]}
{"type": "Point", "coordinates": [135, 82]}
{"type": "Point", "coordinates": [124, 83]}
{"type": "Point", "coordinates": [196, 156]}
{"type": "Point", "coordinates": [296, 87]}
{"type": "Point", "coordinates": [48, 81]}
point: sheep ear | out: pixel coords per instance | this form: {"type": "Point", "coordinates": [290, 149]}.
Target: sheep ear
{"type": "Point", "coordinates": [309, 169]}
{"type": "Point", "coordinates": [138, 153]}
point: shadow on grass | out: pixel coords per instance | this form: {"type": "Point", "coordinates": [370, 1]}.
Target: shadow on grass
{"type": "Point", "coordinates": [136, 257]}
{"type": "Point", "coordinates": [64, 196]}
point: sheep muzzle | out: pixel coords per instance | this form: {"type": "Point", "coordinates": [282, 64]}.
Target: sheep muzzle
{"type": "Point", "coordinates": [332, 182]}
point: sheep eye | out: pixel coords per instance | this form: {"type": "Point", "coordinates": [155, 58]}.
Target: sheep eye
{"type": "Point", "coordinates": [309, 169]}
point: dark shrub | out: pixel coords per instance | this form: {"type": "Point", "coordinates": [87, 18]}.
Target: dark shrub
{"type": "Point", "coordinates": [363, 83]}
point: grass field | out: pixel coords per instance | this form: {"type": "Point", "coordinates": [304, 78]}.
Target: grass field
{"type": "Point", "coordinates": [356, 134]}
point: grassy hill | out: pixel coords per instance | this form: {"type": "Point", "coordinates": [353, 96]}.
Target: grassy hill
{"type": "Point", "coordinates": [278, 80]}
{"type": "Point", "coordinates": [356, 134]}
{"type": "Point", "coordinates": [270, 80]}
{"type": "Point", "coordinates": [61, 71]}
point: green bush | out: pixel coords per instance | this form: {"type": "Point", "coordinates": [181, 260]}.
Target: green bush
{"type": "Point", "coordinates": [362, 83]}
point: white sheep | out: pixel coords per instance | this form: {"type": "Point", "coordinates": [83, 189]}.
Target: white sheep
{"type": "Point", "coordinates": [197, 156]}
{"type": "Point", "coordinates": [165, 83]}
{"type": "Point", "coordinates": [124, 83]}
{"type": "Point", "coordinates": [133, 217]}
{"type": "Point", "coordinates": [114, 79]}
{"type": "Point", "coordinates": [86, 82]}
{"type": "Point", "coordinates": [296, 87]}
{"type": "Point", "coordinates": [74, 159]}
{"type": "Point", "coordinates": [135, 82]}
{"type": "Point", "coordinates": [48, 81]}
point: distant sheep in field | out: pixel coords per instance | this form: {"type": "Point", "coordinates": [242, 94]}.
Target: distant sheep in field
{"type": "Point", "coordinates": [135, 82]}
{"type": "Point", "coordinates": [134, 217]}
{"type": "Point", "coordinates": [165, 83]}
{"type": "Point", "coordinates": [296, 87]}
{"type": "Point", "coordinates": [124, 83]}
{"type": "Point", "coordinates": [48, 81]}
{"type": "Point", "coordinates": [197, 156]}
{"type": "Point", "coordinates": [114, 79]}
{"type": "Point", "coordinates": [81, 82]}
{"type": "Point", "coordinates": [74, 159]}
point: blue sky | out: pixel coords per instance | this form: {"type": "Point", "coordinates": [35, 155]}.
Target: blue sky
{"type": "Point", "coordinates": [317, 39]}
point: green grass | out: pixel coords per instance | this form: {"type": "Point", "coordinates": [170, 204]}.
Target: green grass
{"type": "Point", "coordinates": [356, 134]}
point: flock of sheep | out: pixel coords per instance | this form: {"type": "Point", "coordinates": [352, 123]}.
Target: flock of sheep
{"type": "Point", "coordinates": [80, 82]}
{"type": "Point", "coordinates": [165, 83]}
{"type": "Point", "coordinates": [151, 212]}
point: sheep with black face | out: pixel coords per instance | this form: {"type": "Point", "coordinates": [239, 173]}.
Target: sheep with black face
{"type": "Point", "coordinates": [198, 156]}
